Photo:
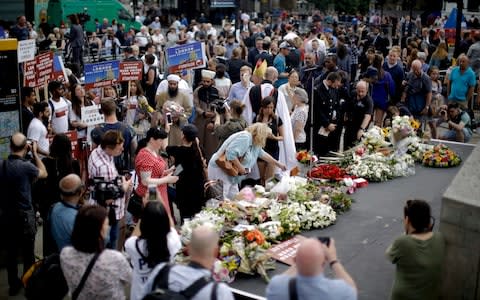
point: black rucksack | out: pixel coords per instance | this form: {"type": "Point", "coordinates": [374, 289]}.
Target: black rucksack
{"type": "Point", "coordinates": [46, 280]}
{"type": "Point", "coordinates": [160, 289]}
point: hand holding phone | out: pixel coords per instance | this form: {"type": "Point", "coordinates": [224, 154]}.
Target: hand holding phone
{"type": "Point", "coordinates": [152, 193]}
{"type": "Point", "coordinates": [168, 117]}
{"type": "Point", "coordinates": [178, 170]}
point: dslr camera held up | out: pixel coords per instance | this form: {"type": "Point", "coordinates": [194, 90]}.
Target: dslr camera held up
{"type": "Point", "coordinates": [443, 113]}
{"type": "Point", "coordinates": [219, 106]}
{"type": "Point", "coordinates": [106, 190]}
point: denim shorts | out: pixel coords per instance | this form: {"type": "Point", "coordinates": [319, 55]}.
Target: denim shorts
{"type": "Point", "coordinates": [451, 135]}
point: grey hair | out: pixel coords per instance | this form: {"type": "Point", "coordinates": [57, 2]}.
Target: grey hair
{"type": "Point", "coordinates": [301, 94]}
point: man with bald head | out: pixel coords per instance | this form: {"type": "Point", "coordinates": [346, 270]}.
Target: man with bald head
{"type": "Point", "coordinates": [64, 212]}
{"type": "Point", "coordinates": [358, 115]}
{"type": "Point", "coordinates": [461, 83]}
{"type": "Point", "coordinates": [203, 250]}
{"type": "Point", "coordinates": [16, 177]}
{"type": "Point", "coordinates": [418, 92]}
{"type": "Point", "coordinates": [310, 281]}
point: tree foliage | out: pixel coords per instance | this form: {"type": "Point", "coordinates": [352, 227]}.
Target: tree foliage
{"type": "Point", "coordinates": [347, 6]}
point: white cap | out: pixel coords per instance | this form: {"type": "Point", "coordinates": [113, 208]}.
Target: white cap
{"type": "Point", "coordinates": [173, 77]}
{"type": "Point", "coordinates": [208, 74]}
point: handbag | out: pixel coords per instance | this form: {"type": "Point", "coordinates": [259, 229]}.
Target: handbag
{"type": "Point", "coordinates": [227, 166]}
{"type": "Point", "coordinates": [135, 204]}
{"type": "Point", "coordinates": [213, 189]}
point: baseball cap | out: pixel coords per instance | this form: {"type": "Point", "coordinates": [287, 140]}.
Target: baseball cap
{"type": "Point", "coordinates": [285, 45]}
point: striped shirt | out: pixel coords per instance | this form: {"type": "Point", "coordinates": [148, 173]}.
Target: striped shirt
{"type": "Point", "coordinates": [100, 164]}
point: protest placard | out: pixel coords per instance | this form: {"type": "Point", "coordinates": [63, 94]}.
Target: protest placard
{"type": "Point", "coordinates": [101, 74]}
{"type": "Point", "coordinates": [29, 76]}
{"type": "Point", "coordinates": [59, 70]}
{"type": "Point", "coordinates": [188, 56]}
{"type": "Point", "coordinates": [44, 67]}
{"type": "Point", "coordinates": [130, 70]}
{"type": "Point", "coordinates": [26, 50]}
{"type": "Point", "coordinates": [91, 115]}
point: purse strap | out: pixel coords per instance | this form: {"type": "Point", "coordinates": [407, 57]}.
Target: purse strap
{"type": "Point", "coordinates": [204, 164]}
{"type": "Point", "coordinates": [79, 288]}
{"type": "Point", "coordinates": [292, 289]}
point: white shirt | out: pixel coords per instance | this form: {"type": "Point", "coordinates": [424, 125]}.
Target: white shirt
{"type": "Point", "coordinates": [141, 271]}
{"type": "Point", "coordinates": [130, 105]}
{"type": "Point", "coordinates": [290, 36]}
{"type": "Point", "coordinates": [145, 66]}
{"type": "Point", "coordinates": [38, 133]}
{"type": "Point", "coordinates": [60, 114]}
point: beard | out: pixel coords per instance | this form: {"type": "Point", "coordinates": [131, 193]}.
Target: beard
{"type": "Point", "coordinates": [172, 92]}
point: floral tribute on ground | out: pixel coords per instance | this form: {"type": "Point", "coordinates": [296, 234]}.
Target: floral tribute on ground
{"type": "Point", "coordinates": [260, 217]}
{"type": "Point", "coordinates": [249, 224]}
{"type": "Point", "coordinates": [386, 153]}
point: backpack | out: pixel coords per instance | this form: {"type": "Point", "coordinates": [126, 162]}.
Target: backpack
{"type": "Point", "coordinates": [45, 280]}
{"type": "Point", "coordinates": [161, 292]}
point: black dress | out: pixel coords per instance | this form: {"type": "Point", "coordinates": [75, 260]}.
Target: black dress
{"type": "Point", "coordinates": [189, 187]}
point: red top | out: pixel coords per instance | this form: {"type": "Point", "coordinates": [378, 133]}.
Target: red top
{"type": "Point", "coordinates": [148, 162]}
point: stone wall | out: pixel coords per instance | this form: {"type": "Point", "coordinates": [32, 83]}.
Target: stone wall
{"type": "Point", "coordinates": [460, 225]}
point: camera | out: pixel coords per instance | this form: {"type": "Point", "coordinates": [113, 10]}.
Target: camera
{"type": "Point", "coordinates": [219, 106]}
{"type": "Point", "coordinates": [106, 190]}
{"type": "Point", "coordinates": [324, 240]}
{"type": "Point", "coordinates": [443, 113]}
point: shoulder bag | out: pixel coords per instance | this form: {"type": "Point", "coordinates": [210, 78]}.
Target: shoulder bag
{"type": "Point", "coordinates": [135, 203]}
{"type": "Point", "coordinates": [226, 165]}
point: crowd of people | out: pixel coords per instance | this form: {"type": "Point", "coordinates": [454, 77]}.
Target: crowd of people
{"type": "Point", "coordinates": [267, 91]}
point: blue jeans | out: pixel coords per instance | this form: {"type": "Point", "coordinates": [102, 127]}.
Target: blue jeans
{"type": "Point", "coordinates": [113, 236]}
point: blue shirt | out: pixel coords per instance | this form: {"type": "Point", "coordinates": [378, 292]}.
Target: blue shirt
{"type": "Point", "coordinates": [281, 65]}
{"type": "Point", "coordinates": [317, 287]}
{"type": "Point", "coordinates": [239, 145]}
{"type": "Point", "coordinates": [460, 83]}
{"type": "Point", "coordinates": [238, 91]}
{"type": "Point", "coordinates": [62, 219]}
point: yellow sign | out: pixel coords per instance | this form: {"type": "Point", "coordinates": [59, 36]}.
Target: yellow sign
{"type": "Point", "coordinates": [8, 44]}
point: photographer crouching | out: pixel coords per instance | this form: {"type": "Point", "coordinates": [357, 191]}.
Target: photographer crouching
{"type": "Point", "coordinates": [108, 189]}
{"type": "Point", "coordinates": [459, 124]}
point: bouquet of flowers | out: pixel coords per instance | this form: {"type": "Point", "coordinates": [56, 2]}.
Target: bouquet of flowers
{"type": "Point", "coordinates": [252, 248]}
{"type": "Point", "coordinates": [338, 198]}
{"type": "Point", "coordinates": [303, 192]}
{"type": "Point", "coordinates": [404, 166]}
{"type": "Point", "coordinates": [304, 157]}
{"type": "Point", "coordinates": [327, 171]}
{"type": "Point", "coordinates": [288, 216]}
{"type": "Point", "coordinates": [206, 216]}
{"type": "Point", "coordinates": [401, 128]}
{"type": "Point", "coordinates": [441, 157]}
{"type": "Point", "coordinates": [317, 215]}
{"type": "Point", "coordinates": [174, 108]}
{"type": "Point", "coordinates": [272, 230]}
{"type": "Point", "coordinates": [373, 139]}
{"type": "Point", "coordinates": [374, 167]}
